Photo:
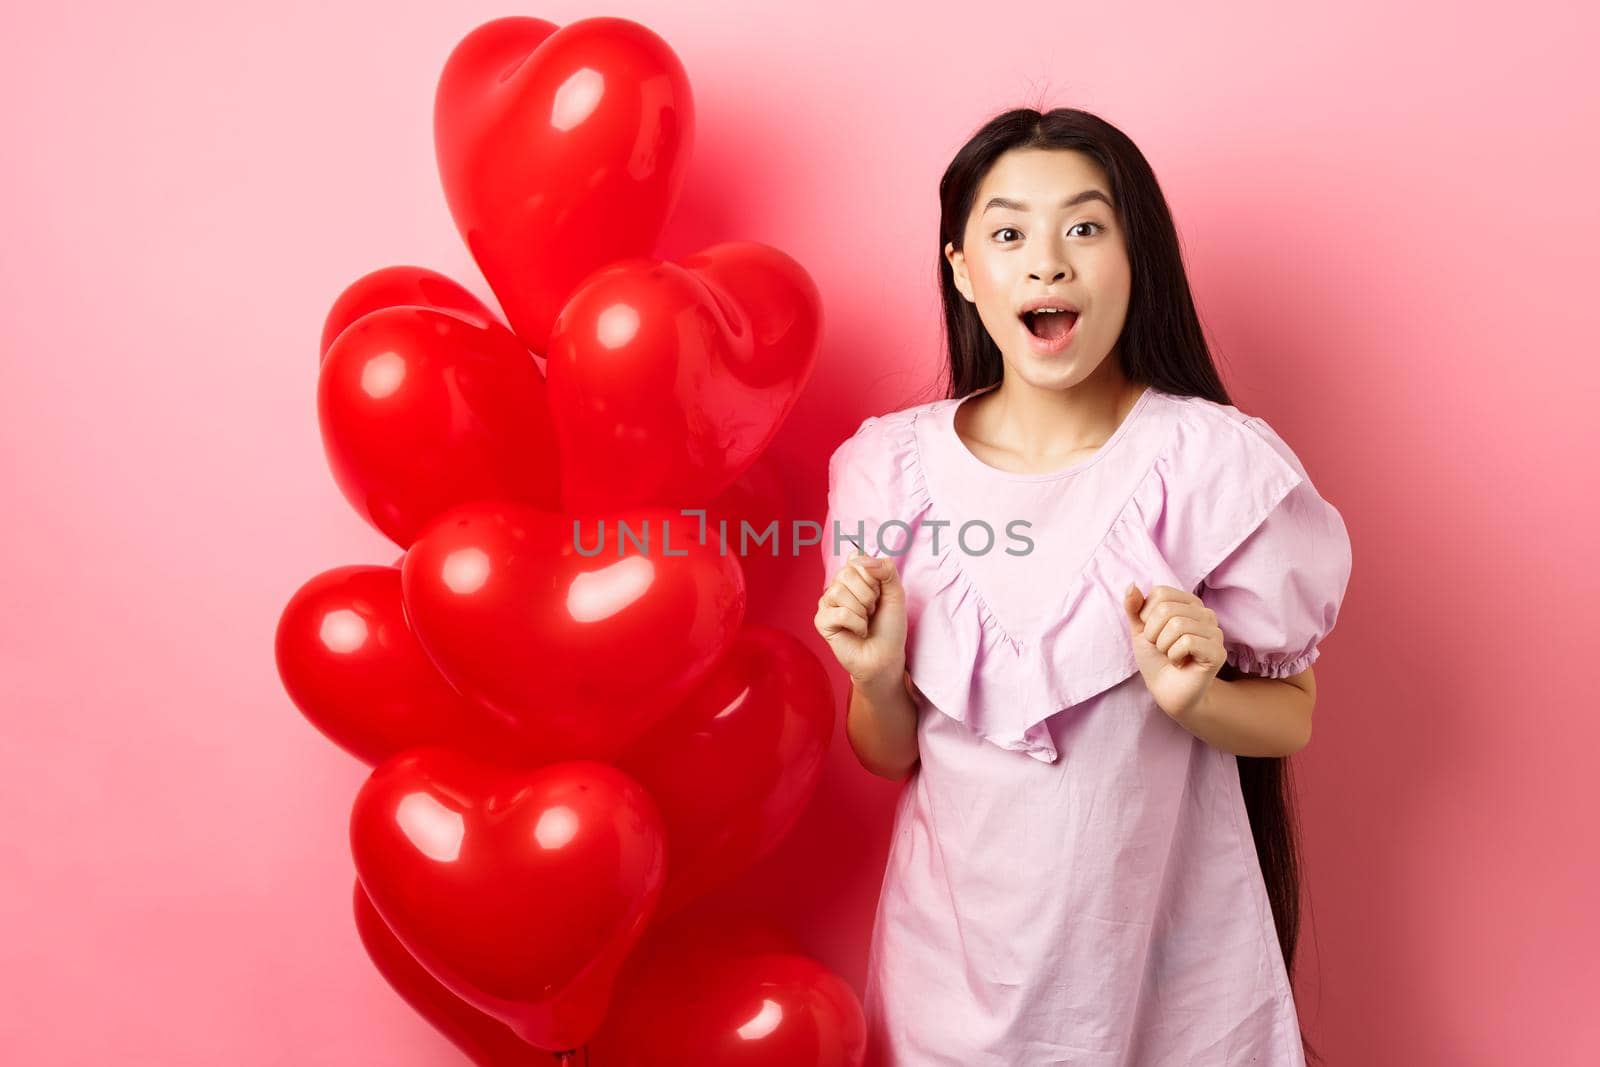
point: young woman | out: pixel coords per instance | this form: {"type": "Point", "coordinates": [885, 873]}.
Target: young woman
{"type": "Point", "coordinates": [1083, 631]}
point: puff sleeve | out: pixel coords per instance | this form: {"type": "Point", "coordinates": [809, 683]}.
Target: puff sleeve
{"type": "Point", "coordinates": [857, 499]}
{"type": "Point", "coordinates": [1278, 593]}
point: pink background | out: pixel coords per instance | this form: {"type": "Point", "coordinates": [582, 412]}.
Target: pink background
{"type": "Point", "coordinates": [1391, 227]}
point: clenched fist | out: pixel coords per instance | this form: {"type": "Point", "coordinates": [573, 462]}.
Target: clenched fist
{"type": "Point", "coordinates": [862, 616]}
{"type": "Point", "coordinates": [1176, 643]}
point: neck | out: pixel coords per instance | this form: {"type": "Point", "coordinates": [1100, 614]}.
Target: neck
{"type": "Point", "coordinates": [1042, 423]}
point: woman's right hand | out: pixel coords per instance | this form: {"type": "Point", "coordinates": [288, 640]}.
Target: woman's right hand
{"type": "Point", "coordinates": [862, 616]}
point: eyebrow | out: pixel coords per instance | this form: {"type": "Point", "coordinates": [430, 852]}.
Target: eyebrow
{"type": "Point", "coordinates": [1019, 205]}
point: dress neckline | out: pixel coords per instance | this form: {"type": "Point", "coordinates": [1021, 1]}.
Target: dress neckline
{"type": "Point", "coordinates": [969, 459]}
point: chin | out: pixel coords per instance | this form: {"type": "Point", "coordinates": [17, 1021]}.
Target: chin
{"type": "Point", "coordinates": [1061, 373]}
{"type": "Point", "coordinates": [1079, 360]}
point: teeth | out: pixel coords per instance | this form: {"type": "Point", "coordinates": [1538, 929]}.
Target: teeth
{"type": "Point", "coordinates": [1047, 311]}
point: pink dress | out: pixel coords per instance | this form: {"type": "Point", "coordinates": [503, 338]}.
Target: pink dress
{"type": "Point", "coordinates": [1072, 878]}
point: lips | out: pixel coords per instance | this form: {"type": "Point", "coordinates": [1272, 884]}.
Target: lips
{"type": "Point", "coordinates": [1050, 325]}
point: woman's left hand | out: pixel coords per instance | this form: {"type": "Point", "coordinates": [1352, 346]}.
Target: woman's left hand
{"type": "Point", "coordinates": [1176, 643]}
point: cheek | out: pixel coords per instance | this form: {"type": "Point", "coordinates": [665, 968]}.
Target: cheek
{"type": "Point", "coordinates": [988, 275]}
{"type": "Point", "coordinates": [1112, 275]}
{"type": "Point", "coordinates": [1110, 283]}
{"type": "Point", "coordinates": [992, 288]}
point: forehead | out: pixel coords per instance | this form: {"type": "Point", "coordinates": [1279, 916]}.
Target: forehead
{"type": "Point", "coordinates": [1040, 177]}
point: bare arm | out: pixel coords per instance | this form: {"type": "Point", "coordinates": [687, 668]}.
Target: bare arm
{"type": "Point", "coordinates": [862, 615]}
{"type": "Point", "coordinates": [881, 723]}
{"type": "Point", "coordinates": [1252, 716]}
{"type": "Point", "coordinates": [1175, 640]}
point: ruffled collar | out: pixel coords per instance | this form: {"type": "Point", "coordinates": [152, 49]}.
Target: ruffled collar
{"type": "Point", "coordinates": [1004, 685]}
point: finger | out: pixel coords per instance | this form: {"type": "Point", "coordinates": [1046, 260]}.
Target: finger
{"type": "Point", "coordinates": [1151, 600]}
{"type": "Point", "coordinates": [856, 589]}
{"type": "Point", "coordinates": [1179, 650]}
{"type": "Point", "coordinates": [881, 568]}
{"type": "Point", "coordinates": [871, 573]}
{"type": "Point", "coordinates": [884, 568]}
{"type": "Point", "coordinates": [837, 619]}
{"type": "Point", "coordinates": [1164, 594]}
{"type": "Point", "coordinates": [849, 578]}
{"type": "Point", "coordinates": [855, 554]}
{"type": "Point", "coordinates": [1174, 628]}
{"type": "Point", "coordinates": [1195, 647]}
{"type": "Point", "coordinates": [832, 621]}
{"type": "Point", "coordinates": [1132, 603]}
{"type": "Point", "coordinates": [839, 595]}
{"type": "Point", "coordinates": [1172, 608]}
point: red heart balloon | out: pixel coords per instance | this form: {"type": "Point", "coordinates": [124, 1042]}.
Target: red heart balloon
{"type": "Point", "coordinates": [668, 379]}
{"type": "Point", "coordinates": [399, 287]}
{"type": "Point", "coordinates": [585, 633]}
{"type": "Point", "coordinates": [733, 766]}
{"type": "Point", "coordinates": [701, 935]}
{"type": "Point", "coordinates": [487, 1040]}
{"type": "Point", "coordinates": [771, 1009]}
{"type": "Point", "coordinates": [523, 893]}
{"type": "Point", "coordinates": [353, 667]}
{"type": "Point", "coordinates": [422, 409]}
{"type": "Point", "coordinates": [693, 940]}
{"type": "Point", "coordinates": [559, 150]}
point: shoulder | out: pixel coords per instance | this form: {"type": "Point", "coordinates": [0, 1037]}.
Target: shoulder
{"type": "Point", "coordinates": [877, 468]}
{"type": "Point", "coordinates": [1219, 473]}
{"type": "Point", "coordinates": [1221, 435]}
{"type": "Point", "coordinates": [886, 434]}
{"type": "Point", "coordinates": [874, 477]}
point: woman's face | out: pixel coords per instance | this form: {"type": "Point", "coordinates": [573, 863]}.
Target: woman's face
{"type": "Point", "coordinates": [1025, 239]}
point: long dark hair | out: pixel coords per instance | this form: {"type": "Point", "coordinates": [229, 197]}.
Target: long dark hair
{"type": "Point", "coordinates": [1162, 346]}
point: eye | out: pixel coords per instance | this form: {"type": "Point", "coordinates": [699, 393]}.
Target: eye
{"type": "Point", "coordinates": [1011, 229]}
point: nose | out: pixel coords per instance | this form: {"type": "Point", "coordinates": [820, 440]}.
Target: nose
{"type": "Point", "coordinates": [1051, 267]}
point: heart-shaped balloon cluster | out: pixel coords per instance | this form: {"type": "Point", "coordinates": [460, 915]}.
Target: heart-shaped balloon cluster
{"type": "Point", "coordinates": [574, 732]}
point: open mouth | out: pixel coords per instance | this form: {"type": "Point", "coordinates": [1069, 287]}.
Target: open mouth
{"type": "Point", "coordinates": [1049, 325]}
